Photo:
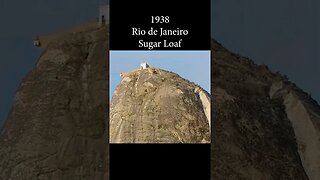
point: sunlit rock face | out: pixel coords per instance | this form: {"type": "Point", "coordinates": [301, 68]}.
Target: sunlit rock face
{"type": "Point", "coordinates": [156, 106]}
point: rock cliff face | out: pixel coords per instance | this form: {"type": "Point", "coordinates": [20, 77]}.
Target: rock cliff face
{"type": "Point", "coordinates": [156, 106]}
{"type": "Point", "coordinates": [264, 127]}
{"type": "Point", "coordinates": [57, 128]}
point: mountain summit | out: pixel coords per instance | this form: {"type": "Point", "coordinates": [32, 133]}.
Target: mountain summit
{"type": "Point", "coordinates": [152, 105]}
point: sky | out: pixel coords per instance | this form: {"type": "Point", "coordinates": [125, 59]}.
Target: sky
{"type": "Point", "coordinates": [191, 65]}
{"type": "Point", "coordinates": [285, 35]}
{"type": "Point", "coordinates": [20, 22]}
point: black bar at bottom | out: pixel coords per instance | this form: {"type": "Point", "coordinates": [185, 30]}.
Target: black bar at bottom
{"type": "Point", "coordinates": [160, 161]}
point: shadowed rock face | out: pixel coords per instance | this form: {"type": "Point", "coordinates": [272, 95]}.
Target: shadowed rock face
{"type": "Point", "coordinates": [57, 128]}
{"type": "Point", "coordinates": [157, 106]}
{"type": "Point", "coordinates": [264, 127]}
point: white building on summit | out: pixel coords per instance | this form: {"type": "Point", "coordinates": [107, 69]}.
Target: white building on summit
{"type": "Point", "coordinates": [144, 65]}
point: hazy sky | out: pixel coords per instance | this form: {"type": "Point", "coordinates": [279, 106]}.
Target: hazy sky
{"type": "Point", "coordinates": [191, 65]}
{"type": "Point", "coordinates": [284, 34]}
